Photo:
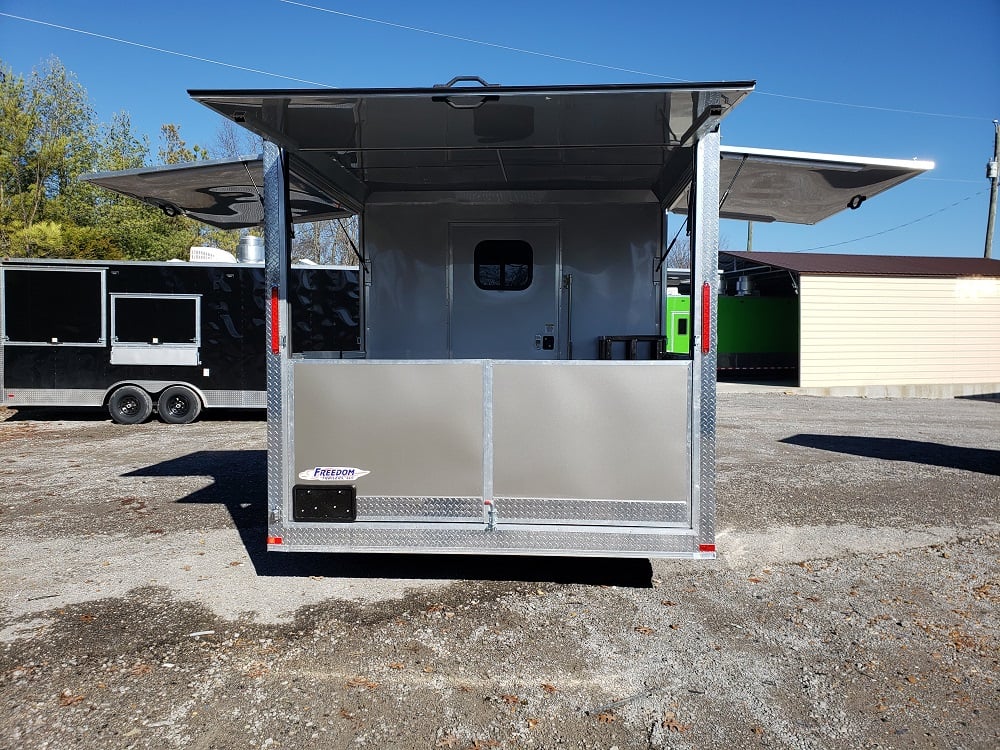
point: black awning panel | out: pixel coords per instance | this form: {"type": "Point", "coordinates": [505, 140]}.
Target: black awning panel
{"type": "Point", "coordinates": [800, 187]}
{"type": "Point", "coordinates": [225, 193]}
{"type": "Point", "coordinates": [349, 143]}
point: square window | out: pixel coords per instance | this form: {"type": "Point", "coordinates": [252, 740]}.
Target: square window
{"type": "Point", "coordinates": [160, 319]}
{"type": "Point", "coordinates": [45, 306]}
{"type": "Point", "coordinates": [503, 265]}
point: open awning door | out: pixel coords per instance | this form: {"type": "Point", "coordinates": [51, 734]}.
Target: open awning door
{"type": "Point", "coordinates": [225, 193]}
{"type": "Point", "coordinates": [473, 136]}
{"type": "Point", "coordinates": [798, 187]}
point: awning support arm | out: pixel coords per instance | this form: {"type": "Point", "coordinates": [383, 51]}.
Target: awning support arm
{"type": "Point", "coordinates": [732, 182]}
{"type": "Point", "coordinates": [670, 247]}
{"type": "Point", "coordinates": [350, 239]}
{"type": "Point", "coordinates": [674, 178]}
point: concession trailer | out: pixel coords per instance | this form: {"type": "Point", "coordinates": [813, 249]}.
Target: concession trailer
{"type": "Point", "coordinates": [511, 392]}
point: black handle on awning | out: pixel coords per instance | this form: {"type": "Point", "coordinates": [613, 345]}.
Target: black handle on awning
{"type": "Point", "coordinates": [468, 79]}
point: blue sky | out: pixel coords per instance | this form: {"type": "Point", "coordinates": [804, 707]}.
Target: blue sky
{"type": "Point", "coordinates": [890, 60]}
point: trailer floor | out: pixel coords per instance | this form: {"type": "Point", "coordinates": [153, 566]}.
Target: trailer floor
{"type": "Point", "coordinates": [854, 603]}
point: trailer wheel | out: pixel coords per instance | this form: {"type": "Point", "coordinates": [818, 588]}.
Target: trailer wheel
{"type": "Point", "coordinates": [130, 405]}
{"type": "Point", "coordinates": [178, 404]}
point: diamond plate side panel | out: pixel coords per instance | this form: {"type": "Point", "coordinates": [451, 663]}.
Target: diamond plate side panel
{"type": "Point", "coordinates": [274, 254]}
{"type": "Point", "coordinates": [592, 512]}
{"type": "Point", "coordinates": [236, 399]}
{"type": "Point", "coordinates": [559, 511]}
{"type": "Point", "coordinates": [53, 397]}
{"type": "Point", "coordinates": [420, 509]}
{"type": "Point", "coordinates": [706, 265]}
{"type": "Point", "coordinates": [445, 540]}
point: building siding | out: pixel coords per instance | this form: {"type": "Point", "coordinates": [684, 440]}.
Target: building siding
{"type": "Point", "coordinates": [858, 331]}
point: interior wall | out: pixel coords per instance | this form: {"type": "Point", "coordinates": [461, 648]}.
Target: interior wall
{"type": "Point", "coordinates": [609, 249]}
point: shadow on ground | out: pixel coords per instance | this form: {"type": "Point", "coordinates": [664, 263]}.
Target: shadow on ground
{"type": "Point", "coordinates": [994, 397]}
{"type": "Point", "coordinates": [240, 484]}
{"type": "Point", "coordinates": [982, 460]}
{"type": "Point", "coordinates": [56, 414]}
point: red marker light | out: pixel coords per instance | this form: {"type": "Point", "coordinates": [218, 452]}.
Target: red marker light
{"type": "Point", "coordinates": [706, 318]}
{"type": "Point", "coordinates": [706, 548]}
{"type": "Point", "coordinates": [274, 540]}
{"type": "Point", "coordinates": [275, 322]}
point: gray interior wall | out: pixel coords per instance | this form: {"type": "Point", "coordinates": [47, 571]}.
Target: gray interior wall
{"type": "Point", "coordinates": [407, 314]}
{"type": "Point", "coordinates": [612, 297]}
{"type": "Point", "coordinates": [408, 248]}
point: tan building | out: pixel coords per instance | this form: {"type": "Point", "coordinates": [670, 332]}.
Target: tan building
{"type": "Point", "coordinates": [883, 325]}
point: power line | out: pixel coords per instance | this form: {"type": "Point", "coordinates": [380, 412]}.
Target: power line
{"type": "Point", "coordinates": [161, 49]}
{"type": "Point", "coordinates": [949, 179]}
{"type": "Point", "coordinates": [480, 42]}
{"type": "Point", "coordinates": [536, 53]}
{"type": "Point", "coordinates": [891, 229]}
{"type": "Point", "coordinates": [469, 40]}
{"type": "Point", "coordinates": [871, 107]}
{"type": "Point", "coordinates": [616, 68]}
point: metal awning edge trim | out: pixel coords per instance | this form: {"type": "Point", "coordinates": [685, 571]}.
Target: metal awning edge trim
{"type": "Point", "coordinates": [915, 165]}
{"type": "Point", "coordinates": [744, 87]}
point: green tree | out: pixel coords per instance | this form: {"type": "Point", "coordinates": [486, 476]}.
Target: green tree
{"type": "Point", "coordinates": [115, 148]}
{"type": "Point", "coordinates": [174, 150]}
{"type": "Point", "coordinates": [120, 147]}
{"type": "Point", "coordinates": [47, 136]}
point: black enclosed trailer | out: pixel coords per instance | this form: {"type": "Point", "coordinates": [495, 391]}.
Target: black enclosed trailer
{"type": "Point", "coordinates": [170, 338]}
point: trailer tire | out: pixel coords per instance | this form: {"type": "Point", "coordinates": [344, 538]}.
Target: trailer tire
{"type": "Point", "coordinates": [130, 404]}
{"type": "Point", "coordinates": [178, 404]}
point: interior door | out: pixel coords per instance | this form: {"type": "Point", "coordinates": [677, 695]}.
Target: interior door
{"type": "Point", "coordinates": [504, 291]}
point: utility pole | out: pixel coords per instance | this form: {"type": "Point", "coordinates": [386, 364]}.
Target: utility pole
{"type": "Point", "coordinates": [992, 170]}
{"type": "Point", "coordinates": [749, 236]}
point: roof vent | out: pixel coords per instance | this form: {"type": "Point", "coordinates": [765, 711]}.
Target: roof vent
{"type": "Point", "coordinates": [250, 249]}
{"type": "Point", "coordinates": [210, 255]}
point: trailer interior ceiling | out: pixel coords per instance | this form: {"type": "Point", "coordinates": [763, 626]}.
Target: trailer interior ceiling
{"type": "Point", "coordinates": [485, 137]}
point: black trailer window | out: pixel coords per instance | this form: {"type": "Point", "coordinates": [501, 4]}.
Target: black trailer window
{"type": "Point", "coordinates": [503, 265]}
{"type": "Point", "coordinates": [155, 319]}
{"type": "Point", "coordinates": [53, 306]}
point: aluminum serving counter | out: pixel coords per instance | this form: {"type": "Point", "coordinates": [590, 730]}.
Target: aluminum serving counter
{"type": "Point", "coordinates": [494, 456]}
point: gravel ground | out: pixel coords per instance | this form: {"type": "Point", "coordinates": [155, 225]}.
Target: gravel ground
{"type": "Point", "coordinates": [854, 603]}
